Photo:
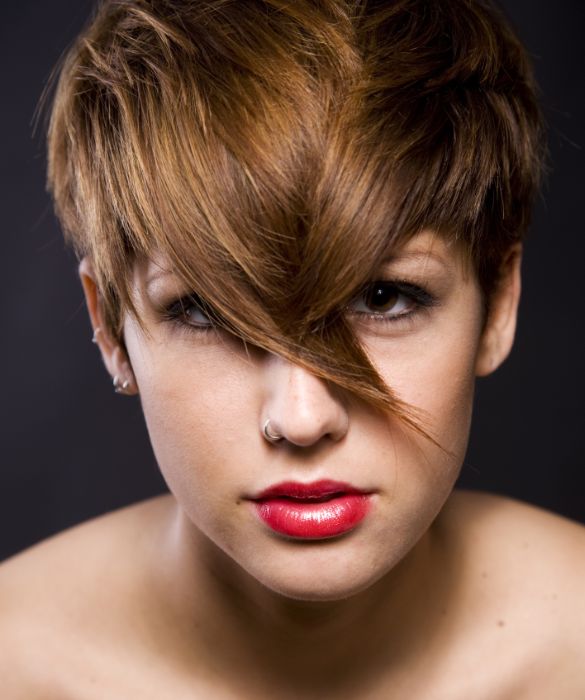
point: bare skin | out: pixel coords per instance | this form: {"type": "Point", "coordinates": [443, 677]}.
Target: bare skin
{"type": "Point", "coordinates": [190, 595]}
{"type": "Point", "coordinates": [91, 614]}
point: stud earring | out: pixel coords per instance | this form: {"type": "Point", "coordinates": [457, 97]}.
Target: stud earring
{"type": "Point", "coordinates": [120, 388]}
{"type": "Point", "coordinates": [95, 333]}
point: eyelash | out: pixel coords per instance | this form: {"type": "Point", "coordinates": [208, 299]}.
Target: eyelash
{"type": "Point", "coordinates": [176, 313]}
{"type": "Point", "coordinates": [419, 299]}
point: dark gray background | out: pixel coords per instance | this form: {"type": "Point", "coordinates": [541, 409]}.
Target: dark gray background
{"type": "Point", "coordinates": [72, 449]}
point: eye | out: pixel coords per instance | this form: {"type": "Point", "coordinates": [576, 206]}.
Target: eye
{"type": "Point", "coordinates": [390, 300]}
{"type": "Point", "coordinates": [194, 314]}
{"type": "Point", "coordinates": [190, 311]}
{"type": "Point", "coordinates": [383, 298]}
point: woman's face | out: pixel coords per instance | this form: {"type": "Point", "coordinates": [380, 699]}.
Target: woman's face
{"type": "Point", "coordinates": [206, 399]}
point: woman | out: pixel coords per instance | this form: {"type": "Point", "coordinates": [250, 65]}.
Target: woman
{"type": "Point", "coordinates": [300, 230]}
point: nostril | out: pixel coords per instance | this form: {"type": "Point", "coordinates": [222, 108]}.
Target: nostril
{"type": "Point", "coordinates": [302, 407]}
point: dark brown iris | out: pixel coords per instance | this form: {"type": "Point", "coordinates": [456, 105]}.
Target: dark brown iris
{"type": "Point", "coordinates": [381, 296]}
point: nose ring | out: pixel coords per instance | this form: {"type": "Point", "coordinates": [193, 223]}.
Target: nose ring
{"type": "Point", "coordinates": [270, 436]}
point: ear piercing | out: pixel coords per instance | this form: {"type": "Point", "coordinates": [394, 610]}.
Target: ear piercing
{"type": "Point", "coordinates": [121, 388]}
{"type": "Point", "coordinates": [268, 434]}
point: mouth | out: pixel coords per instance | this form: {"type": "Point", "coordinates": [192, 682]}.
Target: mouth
{"type": "Point", "coordinates": [317, 510]}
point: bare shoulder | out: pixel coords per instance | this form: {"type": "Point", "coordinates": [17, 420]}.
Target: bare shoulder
{"type": "Point", "coordinates": [503, 512]}
{"type": "Point", "coordinates": [61, 595]}
{"type": "Point", "coordinates": [519, 532]}
{"type": "Point", "coordinates": [95, 551]}
{"type": "Point", "coordinates": [525, 567]}
{"type": "Point", "coordinates": [530, 550]}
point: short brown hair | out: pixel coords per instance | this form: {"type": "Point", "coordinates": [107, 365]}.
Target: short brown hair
{"type": "Point", "coordinates": [273, 151]}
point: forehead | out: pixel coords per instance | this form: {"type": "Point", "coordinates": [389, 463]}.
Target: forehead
{"type": "Point", "coordinates": [427, 249]}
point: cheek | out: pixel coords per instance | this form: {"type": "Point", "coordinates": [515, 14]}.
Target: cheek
{"type": "Point", "coordinates": [198, 432]}
{"type": "Point", "coordinates": [442, 385]}
{"type": "Point", "coordinates": [434, 372]}
{"type": "Point", "coordinates": [436, 378]}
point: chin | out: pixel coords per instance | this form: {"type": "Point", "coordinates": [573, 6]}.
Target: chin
{"type": "Point", "coordinates": [319, 592]}
{"type": "Point", "coordinates": [320, 575]}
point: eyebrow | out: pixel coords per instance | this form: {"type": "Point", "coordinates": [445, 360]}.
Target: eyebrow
{"type": "Point", "coordinates": [414, 255]}
{"type": "Point", "coordinates": [159, 273]}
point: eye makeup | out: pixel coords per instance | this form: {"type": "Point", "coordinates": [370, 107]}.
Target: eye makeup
{"type": "Point", "coordinates": [390, 301]}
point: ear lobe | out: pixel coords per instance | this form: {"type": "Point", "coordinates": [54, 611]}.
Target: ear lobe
{"type": "Point", "coordinates": [498, 335]}
{"type": "Point", "coordinates": [113, 355]}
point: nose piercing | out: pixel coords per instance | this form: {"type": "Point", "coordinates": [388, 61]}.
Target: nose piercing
{"type": "Point", "coordinates": [271, 437]}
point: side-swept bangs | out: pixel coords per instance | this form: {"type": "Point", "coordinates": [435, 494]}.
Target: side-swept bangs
{"type": "Point", "coordinates": [273, 151]}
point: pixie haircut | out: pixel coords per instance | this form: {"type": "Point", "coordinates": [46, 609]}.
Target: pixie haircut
{"type": "Point", "coordinates": [274, 152]}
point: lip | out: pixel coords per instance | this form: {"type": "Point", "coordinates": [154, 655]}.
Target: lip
{"type": "Point", "coordinates": [316, 510]}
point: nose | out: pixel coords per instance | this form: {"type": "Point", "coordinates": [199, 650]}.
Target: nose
{"type": "Point", "coordinates": [301, 407]}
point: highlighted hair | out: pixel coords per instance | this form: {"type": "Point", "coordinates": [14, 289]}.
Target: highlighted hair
{"type": "Point", "coordinates": [273, 151]}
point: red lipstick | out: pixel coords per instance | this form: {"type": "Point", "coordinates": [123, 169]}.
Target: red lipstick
{"type": "Point", "coordinates": [316, 510]}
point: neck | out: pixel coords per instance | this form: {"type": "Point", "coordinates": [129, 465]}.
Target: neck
{"type": "Point", "coordinates": [221, 610]}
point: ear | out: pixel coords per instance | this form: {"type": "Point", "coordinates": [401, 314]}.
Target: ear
{"type": "Point", "coordinates": [113, 355]}
{"type": "Point", "coordinates": [500, 328]}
